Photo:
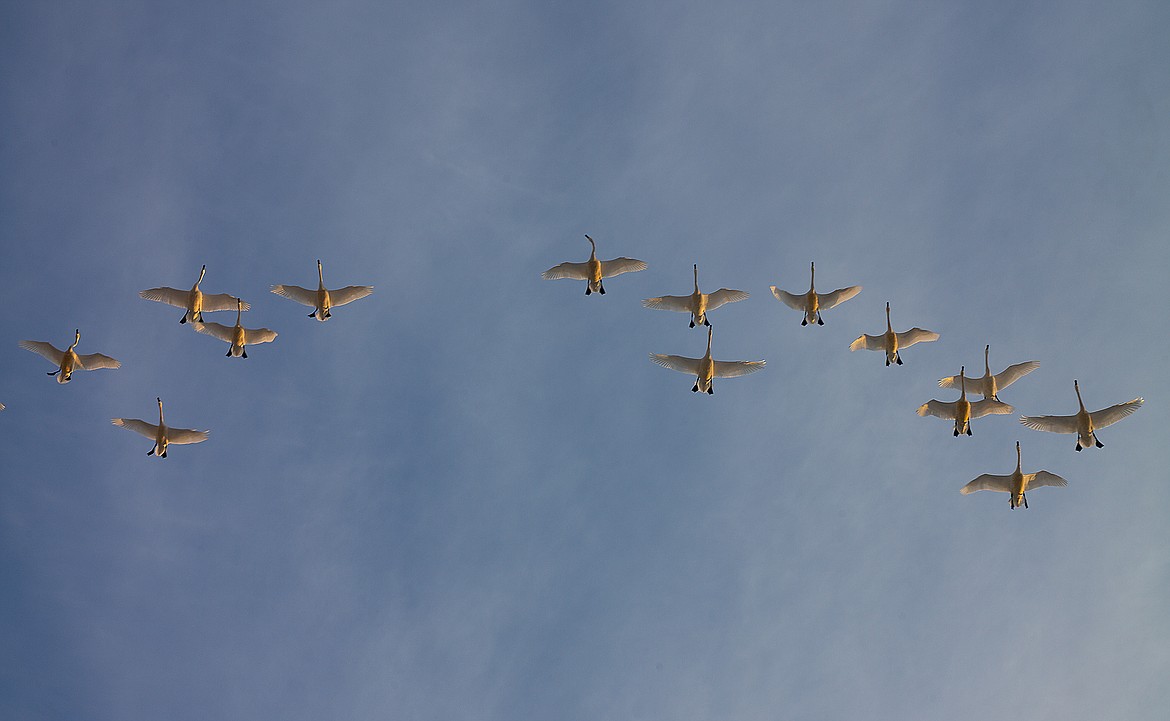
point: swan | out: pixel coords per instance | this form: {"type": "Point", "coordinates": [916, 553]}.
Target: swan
{"type": "Point", "coordinates": [1084, 423]}
{"type": "Point", "coordinates": [194, 301]}
{"type": "Point", "coordinates": [322, 300]}
{"type": "Point", "coordinates": [1017, 484]}
{"type": "Point", "coordinates": [697, 303]}
{"type": "Point", "coordinates": [989, 385]}
{"type": "Point", "coordinates": [239, 337]}
{"type": "Point", "coordinates": [593, 270]}
{"type": "Point", "coordinates": [892, 342]}
{"type": "Point", "coordinates": [67, 360]}
{"type": "Point", "coordinates": [963, 410]}
{"type": "Point", "coordinates": [162, 435]}
{"type": "Point", "coordinates": [812, 302]}
{"type": "Point", "coordinates": [704, 369]}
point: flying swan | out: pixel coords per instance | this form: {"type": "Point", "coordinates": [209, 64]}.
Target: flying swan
{"type": "Point", "coordinates": [1017, 484]}
{"type": "Point", "coordinates": [697, 303]}
{"type": "Point", "coordinates": [989, 385]}
{"type": "Point", "coordinates": [322, 300]}
{"type": "Point", "coordinates": [67, 360]}
{"type": "Point", "coordinates": [194, 301]}
{"type": "Point", "coordinates": [162, 435]}
{"type": "Point", "coordinates": [593, 270]}
{"type": "Point", "coordinates": [962, 410]}
{"type": "Point", "coordinates": [704, 369]}
{"type": "Point", "coordinates": [238, 336]}
{"type": "Point", "coordinates": [892, 342]}
{"type": "Point", "coordinates": [1084, 423]}
{"type": "Point", "coordinates": [812, 302]}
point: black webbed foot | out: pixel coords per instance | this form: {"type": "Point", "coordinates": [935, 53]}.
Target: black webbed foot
{"type": "Point", "coordinates": [706, 322]}
{"type": "Point", "coordinates": [819, 321]}
{"type": "Point", "coordinates": [54, 372]}
{"type": "Point", "coordinates": [164, 455]}
{"type": "Point", "coordinates": [183, 319]}
{"type": "Point", "coordinates": [692, 322]}
{"type": "Point", "coordinates": [711, 390]}
{"type": "Point", "coordinates": [1078, 446]}
{"type": "Point", "coordinates": [150, 452]}
{"type": "Point", "coordinates": [968, 431]}
{"type": "Point", "coordinates": [956, 433]}
{"type": "Point", "coordinates": [898, 359]}
{"type": "Point", "coordinates": [229, 353]}
{"type": "Point", "coordinates": [244, 351]}
{"type": "Point", "coordinates": [804, 321]}
{"type": "Point", "coordinates": [601, 288]}
{"type": "Point", "coordinates": [1099, 444]}
{"type": "Point", "coordinates": [314, 313]}
{"type": "Point", "coordinates": [695, 389]}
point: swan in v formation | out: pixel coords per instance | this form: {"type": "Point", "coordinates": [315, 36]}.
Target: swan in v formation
{"type": "Point", "coordinates": [195, 301]}
{"type": "Point", "coordinates": [322, 301]}
{"type": "Point", "coordinates": [892, 342]}
{"type": "Point", "coordinates": [812, 302]}
{"type": "Point", "coordinates": [705, 369]}
{"type": "Point", "coordinates": [1084, 423]}
{"type": "Point", "coordinates": [963, 410]}
{"type": "Point", "coordinates": [1017, 483]}
{"type": "Point", "coordinates": [990, 384]}
{"type": "Point", "coordinates": [68, 360]}
{"type": "Point", "coordinates": [593, 270]}
{"type": "Point", "coordinates": [697, 303]}
{"type": "Point", "coordinates": [162, 435]}
{"type": "Point", "coordinates": [238, 337]}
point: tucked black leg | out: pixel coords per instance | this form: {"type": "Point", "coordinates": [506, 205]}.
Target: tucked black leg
{"type": "Point", "coordinates": [695, 389]}
{"type": "Point", "coordinates": [54, 372]}
{"type": "Point", "coordinates": [819, 321]}
{"type": "Point", "coordinates": [601, 288]}
{"type": "Point", "coordinates": [1078, 445]}
{"type": "Point", "coordinates": [898, 359]}
{"type": "Point", "coordinates": [887, 362]}
{"type": "Point", "coordinates": [164, 455]}
{"type": "Point", "coordinates": [183, 319]}
{"type": "Point", "coordinates": [968, 430]}
{"type": "Point", "coordinates": [1025, 501]}
{"type": "Point", "coordinates": [711, 390]}
{"type": "Point", "coordinates": [150, 452]}
{"type": "Point", "coordinates": [804, 321]}
{"type": "Point", "coordinates": [956, 433]}
{"type": "Point", "coordinates": [1098, 442]}
{"type": "Point", "coordinates": [692, 322]}
{"type": "Point", "coordinates": [229, 353]}
{"type": "Point", "coordinates": [244, 350]}
{"type": "Point", "coordinates": [706, 322]}
{"type": "Point", "coordinates": [314, 313]}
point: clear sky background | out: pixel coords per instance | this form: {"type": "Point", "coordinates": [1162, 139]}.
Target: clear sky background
{"type": "Point", "coordinates": [471, 495]}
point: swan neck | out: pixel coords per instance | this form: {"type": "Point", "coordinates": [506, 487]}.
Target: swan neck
{"type": "Point", "coordinates": [708, 341]}
{"type": "Point", "coordinates": [593, 246]}
{"type": "Point", "coordinates": [812, 282]}
{"type": "Point", "coordinates": [888, 326]}
{"type": "Point", "coordinates": [1077, 387]}
{"type": "Point", "coordinates": [202, 271]}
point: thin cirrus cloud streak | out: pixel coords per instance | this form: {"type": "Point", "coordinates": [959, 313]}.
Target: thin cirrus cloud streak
{"type": "Point", "coordinates": [469, 494]}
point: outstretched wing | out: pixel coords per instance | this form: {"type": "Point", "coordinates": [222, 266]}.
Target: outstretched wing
{"type": "Point", "coordinates": [677, 363]}
{"type": "Point", "coordinates": [974, 385]}
{"type": "Point", "coordinates": [1052, 424]}
{"type": "Point", "coordinates": [988, 482]}
{"type": "Point", "coordinates": [217, 330]}
{"type": "Point", "coordinates": [723, 296]}
{"type": "Point", "coordinates": [681, 303]}
{"type": "Point", "coordinates": [939, 409]}
{"type": "Point", "coordinates": [143, 428]}
{"type": "Point", "coordinates": [349, 294]}
{"type": "Point", "coordinates": [573, 271]}
{"type": "Point", "coordinates": [734, 369]}
{"type": "Point", "coordinates": [45, 350]}
{"type": "Point", "coordinates": [1112, 414]}
{"type": "Point", "coordinates": [869, 342]}
{"type": "Point", "coordinates": [222, 301]}
{"type": "Point", "coordinates": [837, 297]}
{"type": "Point", "coordinates": [94, 361]}
{"type": "Point", "coordinates": [617, 266]}
{"type": "Point", "coordinates": [255, 336]}
{"type": "Point", "coordinates": [170, 296]}
{"type": "Point", "coordinates": [989, 407]}
{"type": "Point", "coordinates": [795, 302]}
{"type": "Point", "coordinates": [1043, 478]}
{"type": "Point", "coordinates": [304, 296]}
{"type": "Point", "coordinates": [1013, 373]}
{"type": "Point", "coordinates": [183, 436]}
{"type": "Point", "coordinates": [915, 335]}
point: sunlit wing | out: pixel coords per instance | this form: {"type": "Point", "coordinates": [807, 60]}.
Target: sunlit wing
{"type": "Point", "coordinates": [723, 296]}
{"type": "Point", "coordinates": [44, 350]}
{"type": "Point", "coordinates": [837, 297]}
{"type": "Point", "coordinates": [149, 430]}
{"type": "Point", "coordinates": [681, 303]}
{"type": "Point", "coordinates": [1108, 416]}
{"type": "Point", "coordinates": [617, 266]}
{"type": "Point", "coordinates": [1044, 478]}
{"type": "Point", "coordinates": [95, 361]}
{"type": "Point", "coordinates": [217, 330]}
{"type": "Point", "coordinates": [869, 342]}
{"type": "Point", "coordinates": [183, 436]}
{"type": "Point", "coordinates": [1013, 373]}
{"type": "Point", "coordinates": [989, 407]}
{"type": "Point", "coordinates": [677, 363]}
{"type": "Point", "coordinates": [222, 301]}
{"type": "Point", "coordinates": [1052, 424]}
{"type": "Point", "coordinates": [795, 302]}
{"type": "Point", "coordinates": [915, 335]}
{"type": "Point", "coordinates": [734, 369]}
{"type": "Point", "coordinates": [988, 482]}
{"type": "Point", "coordinates": [939, 409]}
{"type": "Point", "coordinates": [170, 296]}
{"type": "Point", "coordinates": [304, 296]}
{"type": "Point", "coordinates": [573, 271]}
{"type": "Point", "coordinates": [349, 294]}
{"type": "Point", "coordinates": [974, 385]}
{"type": "Point", "coordinates": [254, 336]}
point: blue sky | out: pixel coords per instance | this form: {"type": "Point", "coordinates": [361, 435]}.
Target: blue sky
{"type": "Point", "coordinates": [471, 495]}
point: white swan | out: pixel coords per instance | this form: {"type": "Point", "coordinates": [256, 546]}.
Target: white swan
{"type": "Point", "coordinates": [1017, 483]}
{"type": "Point", "coordinates": [238, 336]}
{"type": "Point", "coordinates": [962, 410]}
{"type": "Point", "coordinates": [162, 435]}
{"type": "Point", "coordinates": [812, 302]}
{"type": "Point", "coordinates": [697, 303]}
{"type": "Point", "coordinates": [67, 360]}
{"type": "Point", "coordinates": [194, 301]}
{"type": "Point", "coordinates": [704, 369]}
{"type": "Point", "coordinates": [892, 342]}
{"type": "Point", "coordinates": [322, 300]}
{"type": "Point", "coordinates": [989, 385]}
{"type": "Point", "coordinates": [593, 270]}
{"type": "Point", "coordinates": [1084, 423]}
